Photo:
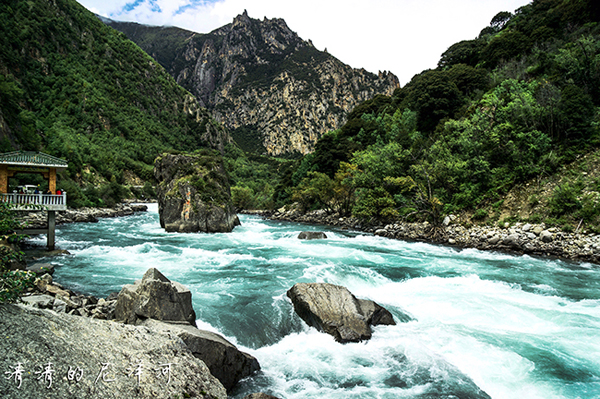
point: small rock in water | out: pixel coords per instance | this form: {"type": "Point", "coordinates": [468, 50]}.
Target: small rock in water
{"type": "Point", "coordinates": [312, 235]}
{"type": "Point", "coordinates": [41, 268]}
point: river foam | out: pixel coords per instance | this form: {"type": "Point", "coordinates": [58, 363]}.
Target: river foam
{"type": "Point", "coordinates": [516, 326]}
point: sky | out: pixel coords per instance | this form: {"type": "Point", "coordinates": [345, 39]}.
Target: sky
{"type": "Point", "coordinates": [404, 37]}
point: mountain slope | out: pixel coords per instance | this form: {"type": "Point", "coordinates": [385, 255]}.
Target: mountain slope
{"type": "Point", "coordinates": [73, 87]}
{"type": "Point", "coordinates": [276, 92]}
{"type": "Point", "coordinates": [486, 133]}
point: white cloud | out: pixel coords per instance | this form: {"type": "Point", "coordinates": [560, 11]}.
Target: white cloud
{"type": "Point", "coordinates": [401, 36]}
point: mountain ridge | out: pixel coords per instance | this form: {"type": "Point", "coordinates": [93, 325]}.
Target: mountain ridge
{"type": "Point", "coordinates": [275, 91]}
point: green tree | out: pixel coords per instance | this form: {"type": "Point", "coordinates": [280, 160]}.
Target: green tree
{"type": "Point", "coordinates": [316, 190]}
{"type": "Point", "coordinates": [434, 96]}
{"type": "Point", "coordinates": [242, 197]}
{"type": "Point", "coordinates": [576, 112]}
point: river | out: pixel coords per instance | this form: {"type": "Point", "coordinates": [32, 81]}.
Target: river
{"type": "Point", "coordinates": [517, 326]}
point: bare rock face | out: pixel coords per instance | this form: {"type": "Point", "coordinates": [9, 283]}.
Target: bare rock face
{"type": "Point", "coordinates": [225, 361]}
{"type": "Point", "coordinates": [335, 310]}
{"type": "Point", "coordinates": [55, 356]}
{"type": "Point", "coordinates": [155, 297]}
{"type": "Point", "coordinates": [193, 193]}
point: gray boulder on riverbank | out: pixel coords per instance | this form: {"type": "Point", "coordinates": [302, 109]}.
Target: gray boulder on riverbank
{"type": "Point", "coordinates": [55, 356]}
{"type": "Point", "coordinates": [334, 310]}
{"type": "Point", "coordinates": [164, 305]}
{"type": "Point", "coordinates": [225, 361]}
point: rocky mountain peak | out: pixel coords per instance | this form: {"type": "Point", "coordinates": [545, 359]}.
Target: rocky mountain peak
{"type": "Point", "coordinates": [241, 22]}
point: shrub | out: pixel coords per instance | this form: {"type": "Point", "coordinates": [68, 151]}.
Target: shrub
{"type": "Point", "coordinates": [480, 214]}
{"type": "Point", "coordinates": [148, 190]}
{"type": "Point", "coordinates": [533, 200]}
{"type": "Point", "coordinates": [535, 218]}
{"type": "Point", "coordinates": [564, 199]}
{"type": "Point", "coordinates": [13, 283]}
{"type": "Point", "coordinates": [242, 197]}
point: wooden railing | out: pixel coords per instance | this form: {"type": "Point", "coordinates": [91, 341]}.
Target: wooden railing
{"type": "Point", "coordinates": [49, 201]}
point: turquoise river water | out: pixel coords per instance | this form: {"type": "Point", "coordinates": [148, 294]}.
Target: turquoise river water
{"type": "Point", "coordinates": [516, 326]}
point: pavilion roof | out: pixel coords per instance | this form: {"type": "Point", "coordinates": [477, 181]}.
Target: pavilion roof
{"type": "Point", "coordinates": [31, 158]}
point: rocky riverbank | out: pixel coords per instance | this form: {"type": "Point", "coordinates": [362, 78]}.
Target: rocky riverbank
{"type": "Point", "coordinates": [156, 309]}
{"type": "Point", "coordinates": [523, 238]}
{"type": "Point", "coordinates": [38, 220]}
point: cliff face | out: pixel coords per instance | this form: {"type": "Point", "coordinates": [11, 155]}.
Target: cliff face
{"type": "Point", "coordinates": [276, 92]}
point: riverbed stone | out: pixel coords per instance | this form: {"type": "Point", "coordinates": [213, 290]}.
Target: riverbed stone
{"type": "Point", "coordinates": [512, 240]}
{"type": "Point", "coordinates": [546, 236]}
{"type": "Point", "coordinates": [375, 313]}
{"type": "Point", "coordinates": [41, 301]}
{"type": "Point", "coordinates": [155, 297]}
{"type": "Point", "coordinates": [59, 305]}
{"type": "Point", "coordinates": [494, 240]}
{"type": "Point", "coordinates": [312, 235]}
{"type": "Point", "coordinates": [41, 268]}
{"type": "Point", "coordinates": [56, 291]}
{"type": "Point", "coordinates": [335, 310]}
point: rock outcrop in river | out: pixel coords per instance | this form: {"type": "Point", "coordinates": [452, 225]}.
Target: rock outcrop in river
{"type": "Point", "coordinates": [193, 193]}
{"type": "Point", "coordinates": [334, 310]}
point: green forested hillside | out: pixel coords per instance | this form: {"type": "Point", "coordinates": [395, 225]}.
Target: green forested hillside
{"type": "Point", "coordinates": [506, 108]}
{"type": "Point", "coordinates": [75, 88]}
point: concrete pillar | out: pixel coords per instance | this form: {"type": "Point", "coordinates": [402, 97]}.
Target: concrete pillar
{"type": "Point", "coordinates": [3, 179]}
{"type": "Point", "coordinates": [52, 180]}
{"type": "Point", "coordinates": [51, 227]}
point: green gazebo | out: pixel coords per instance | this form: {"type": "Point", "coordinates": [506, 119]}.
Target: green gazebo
{"type": "Point", "coordinates": [12, 163]}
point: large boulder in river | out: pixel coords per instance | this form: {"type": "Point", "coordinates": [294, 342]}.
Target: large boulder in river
{"type": "Point", "coordinates": [54, 356]}
{"type": "Point", "coordinates": [193, 193]}
{"type": "Point", "coordinates": [225, 361]}
{"type": "Point", "coordinates": [335, 310]}
{"type": "Point", "coordinates": [155, 297]}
